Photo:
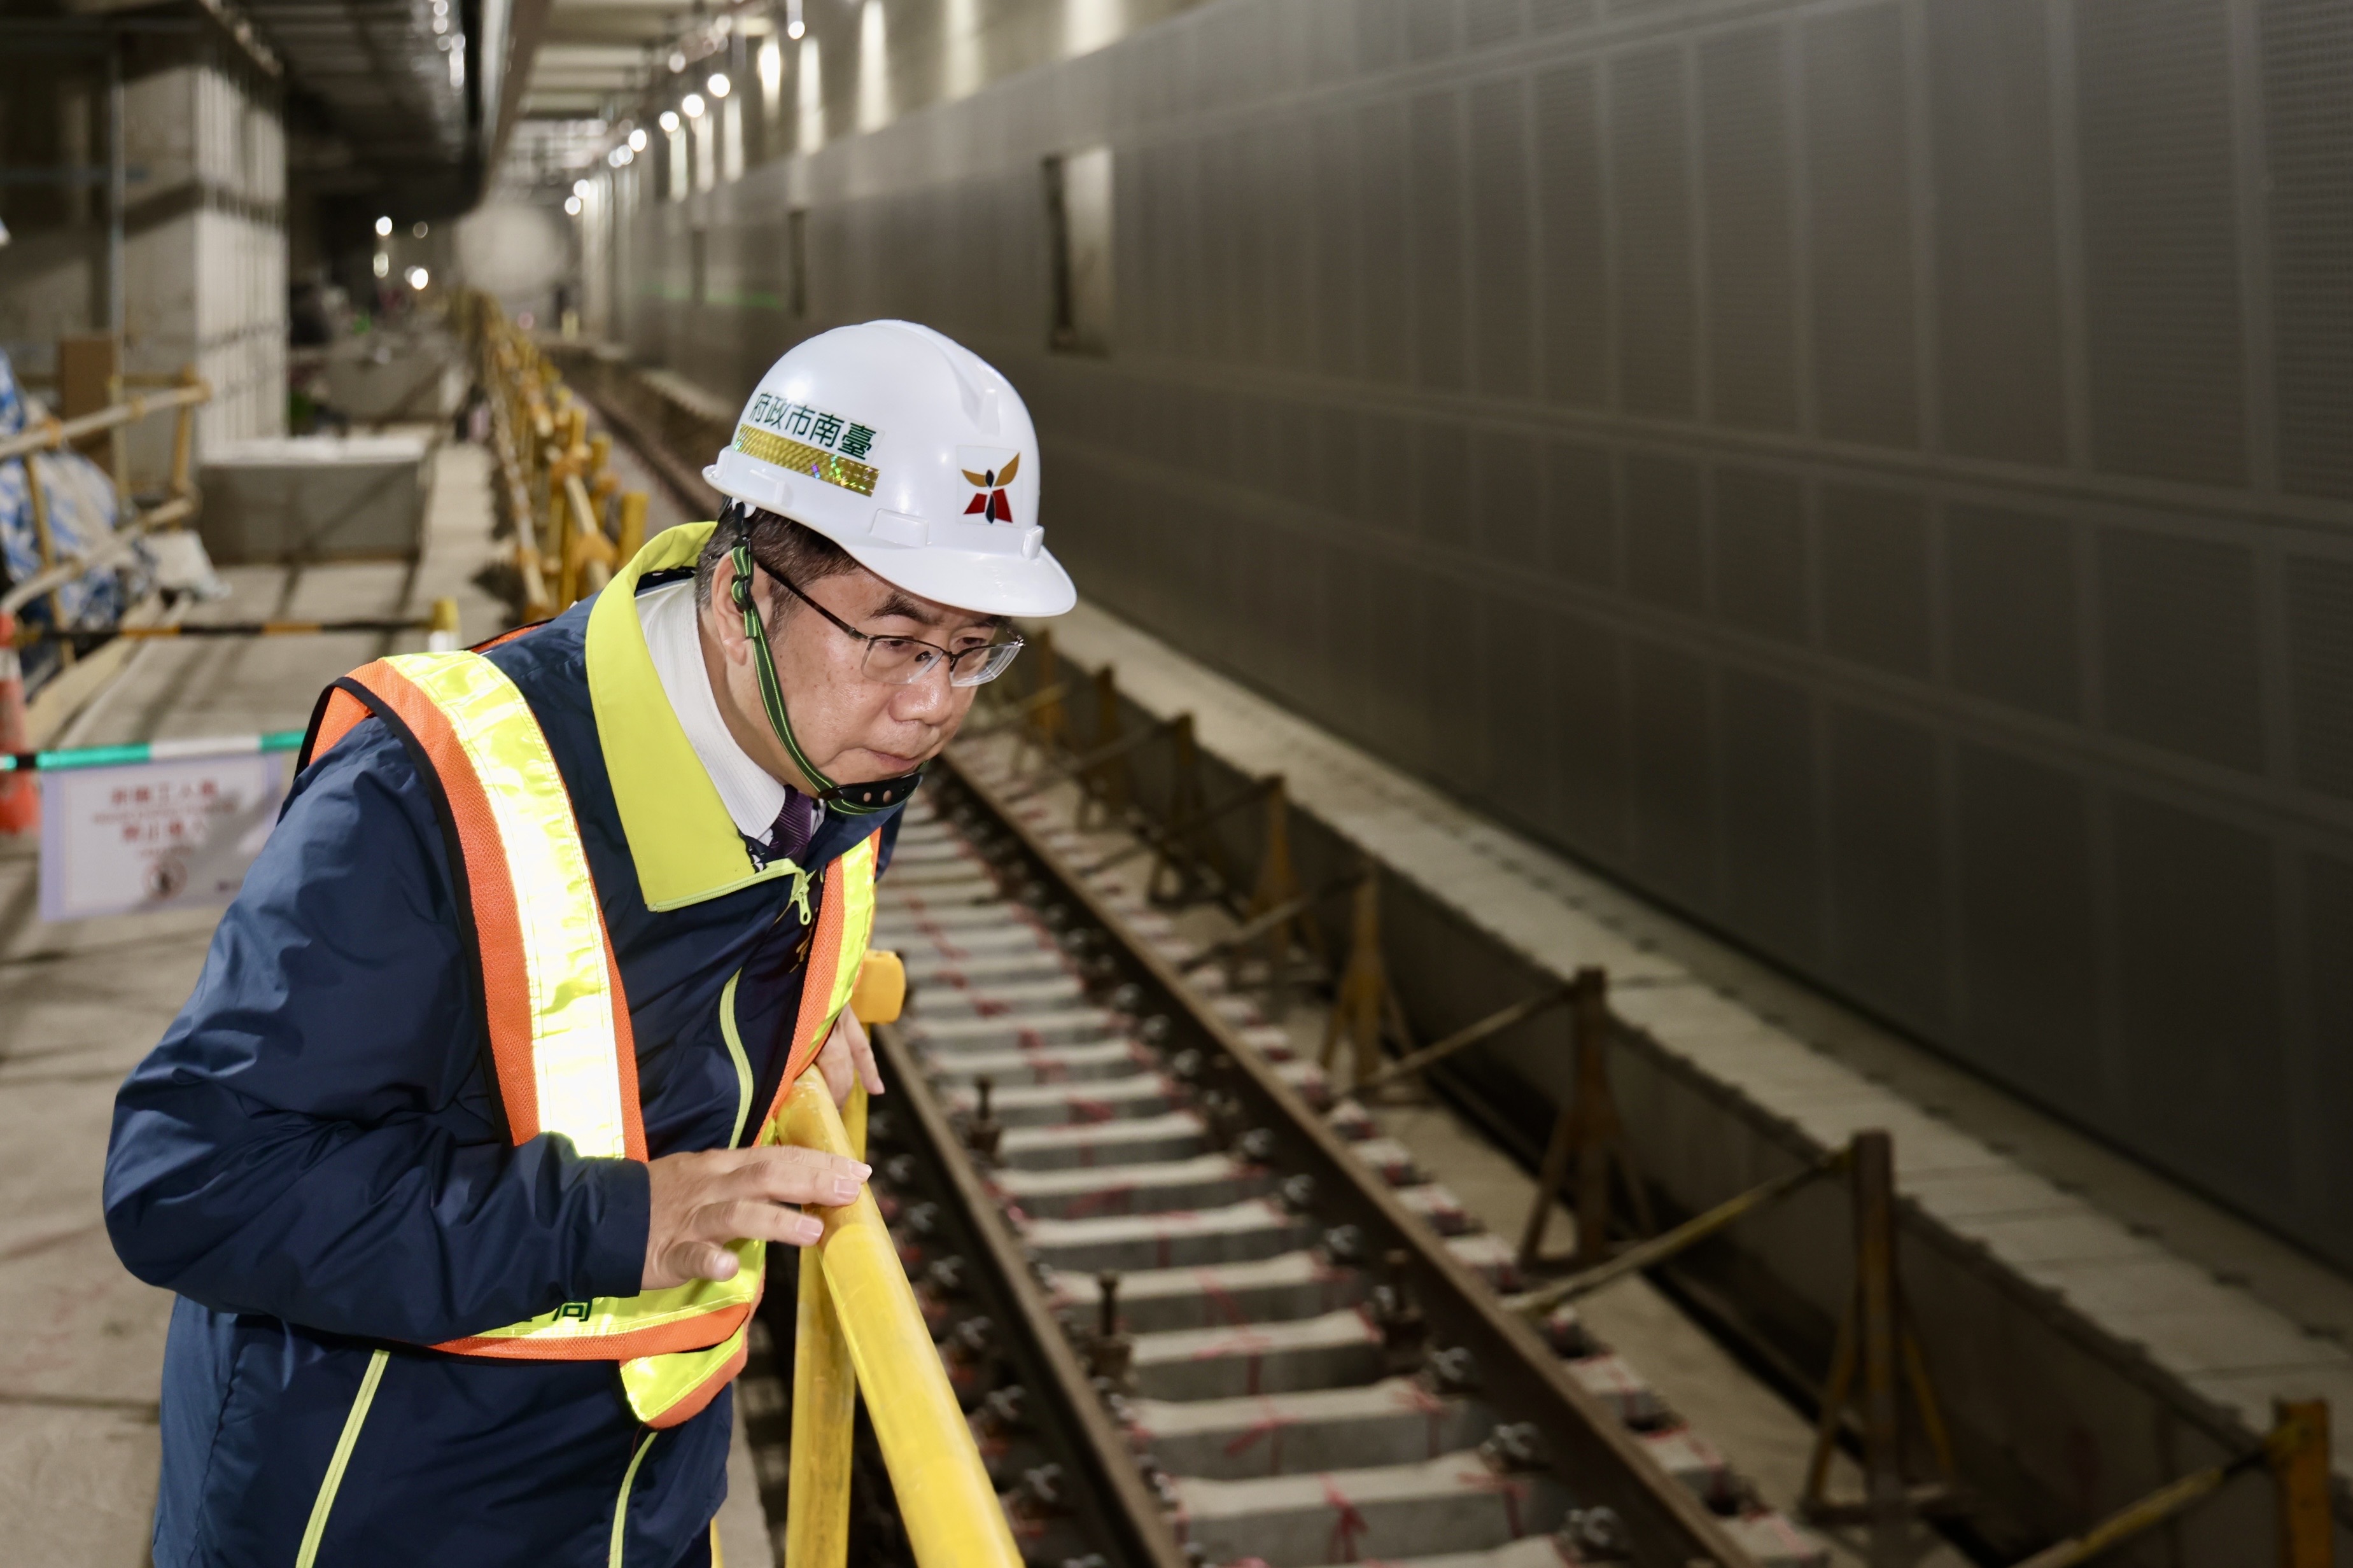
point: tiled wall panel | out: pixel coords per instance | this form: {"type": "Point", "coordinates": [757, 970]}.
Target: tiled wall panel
{"type": "Point", "coordinates": [1871, 473]}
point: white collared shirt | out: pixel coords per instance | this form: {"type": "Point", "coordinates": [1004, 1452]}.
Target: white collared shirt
{"type": "Point", "coordinates": [752, 794]}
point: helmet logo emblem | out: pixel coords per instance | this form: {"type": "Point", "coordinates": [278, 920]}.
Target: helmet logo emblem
{"type": "Point", "coordinates": [990, 498]}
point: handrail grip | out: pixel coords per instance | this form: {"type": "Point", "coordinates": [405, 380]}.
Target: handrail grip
{"type": "Point", "coordinates": [952, 1514]}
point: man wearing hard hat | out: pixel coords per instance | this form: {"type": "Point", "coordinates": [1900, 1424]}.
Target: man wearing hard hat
{"type": "Point", "coordinates": [461, 1156]}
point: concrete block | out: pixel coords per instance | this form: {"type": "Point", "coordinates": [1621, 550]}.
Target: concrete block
{"type": "Point", "coordinates": [1438, 1207]}
{"type": "Point", "coordinates": [2074, 1233]}
{"type": "Point", "coordinates": [1237, 1010]}
{"type": "Point", "coordinates": [1381, 1514]}
{"type": "Point", "coordinates": [1774, 1542]}
{"type": "Point", "coordinates": [1307, 1079]}
{"type": "Point", "coordinates": [962, 939]}
{"type": "Point", "coordinates": [1613, 1379]}
{"type": "Point", "coordinates": [1352, 1122]}
{"type": "Point", "coordinates": [1067, 1025]}
{"type": "Point", "coordinates": [1031, 1105]}
{"type": "Point", "coordinates": [1689, 1457]}
{"type": "Point", "coordinates": [2235, 1334]}
{"type": "Point", "coordinates": [1488, 1256]}
{"type": "Point", "coordinates": [314, 498]}
{"type": "Point", "coordinates": [1293, 1286]}
{"type": "Point", "coordinates": [1271, 1041]}
{"type": "Point", "coordinates": [927, 966]}
{"type": "Point", "coordinates": [1960, 1198]}
{"type": "Point", "coordinates": [1392, 1160]}
{"type": "Point", "coordinates": [1205, 1180]}
{"type": "Point", "coordinates": [1280, 1357]}
{"type": "Point", "coordinates": [1143, 1139]}
{"type": "Point", "coordinates": [1238, 1233]}
{"type": "Point", "coordinates": [1039, 1063]}
{"type": "Point", "coordinates": [1393, 1422]}
{"type": "Point", "coordinates": [998, 998]}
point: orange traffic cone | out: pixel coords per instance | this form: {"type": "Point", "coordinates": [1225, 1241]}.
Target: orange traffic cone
{"type": "Point", "coordinates": [20, 793]}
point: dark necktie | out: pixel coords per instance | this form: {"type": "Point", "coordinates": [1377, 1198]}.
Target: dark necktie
{"type": "Point", "coordinates": [795, 826]}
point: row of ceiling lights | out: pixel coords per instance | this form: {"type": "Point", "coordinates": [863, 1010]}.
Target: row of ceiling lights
{"type": "Point", "coordinates": [694, 104]}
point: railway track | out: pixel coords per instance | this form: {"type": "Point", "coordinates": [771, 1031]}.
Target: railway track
{"type": "Point", "coordinates": [1199, 1311]}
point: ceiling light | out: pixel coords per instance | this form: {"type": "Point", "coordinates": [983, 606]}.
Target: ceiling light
{"type": "Point", "coordinates": [719, 84]}
{"type": "Point", "coordinates": [616, 157]}
{"type": "Point", "coordinates": [580, 188]}
{"type": "Point", "coordinates": [677, 62]}
{"type": "Point", "coordinates": [670, 121]}
{"type": "Point", "coordinates": [383, 265]}
{"type": "Point", "coordinates": [420, 231]}
{"type": "Point", "coordinates": [383, 227]}
{"type": "Point", "coordinates": [440, 22]}
{"type": "Point", "coordinates": [638, 139]}
{"type": "Point", "coordinates": [572, 205]}
{"type": "Point", "coordinates": [796, 27]}
{"type": "Point", "coordinates": [418, 277]}
{"type": "Point", "coordinates": [693, 105]}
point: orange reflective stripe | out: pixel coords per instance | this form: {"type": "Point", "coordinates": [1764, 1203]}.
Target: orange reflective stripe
{"type": "Point", "coordinates": [694, 1401]}
{"type": "Point", "coordinates": [489, 887]}
{"type": "Point", "coordinates": [817, 983]}
{"type": "Point", "coordinates": [338, 711]}
{"type": "Point", "coordinates": [699, 1332]}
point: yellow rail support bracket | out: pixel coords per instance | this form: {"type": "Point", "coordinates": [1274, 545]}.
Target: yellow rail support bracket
{"type": "Point", "coordinates": [951, 1512]}
{"type": "Point", "coordinates": [2296, 1452]}
{"type": "Point", "coordinates": [880, 989]}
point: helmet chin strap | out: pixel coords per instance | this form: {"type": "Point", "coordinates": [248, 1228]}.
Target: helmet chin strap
{"type": "Point", "coordinates": [851, 800]}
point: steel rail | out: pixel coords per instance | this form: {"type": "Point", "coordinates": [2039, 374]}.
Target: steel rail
{"type": "Point", "coordinates": [1522, 1378]}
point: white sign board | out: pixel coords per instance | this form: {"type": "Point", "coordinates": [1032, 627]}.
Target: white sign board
{"type": "Point", "coordinates": [154, 836]}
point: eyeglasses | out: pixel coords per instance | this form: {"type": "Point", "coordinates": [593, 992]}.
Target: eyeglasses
{"type": "Point", "coordinates": [903, 662]}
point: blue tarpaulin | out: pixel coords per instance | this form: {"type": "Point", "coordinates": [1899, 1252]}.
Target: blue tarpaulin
{"type": "Point", "coordinates": [81, 506]}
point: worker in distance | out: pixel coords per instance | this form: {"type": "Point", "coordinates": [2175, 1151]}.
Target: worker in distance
{"type": "Point", "coordinates": [460, 1157]}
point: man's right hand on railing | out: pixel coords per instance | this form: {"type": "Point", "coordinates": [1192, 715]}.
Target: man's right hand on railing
{"type": "Point", "coordinates": [701, 1202]}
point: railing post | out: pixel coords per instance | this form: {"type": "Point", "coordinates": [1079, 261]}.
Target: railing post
{"type": "Point", "coordinates": [2299, 1455]}
{"type": "Point", "coordinates": [950, 1510]}
{"type": "Point", "coordinates": [825, 1407]}
{"type": "Point", "coordinates": [1873, 1175]}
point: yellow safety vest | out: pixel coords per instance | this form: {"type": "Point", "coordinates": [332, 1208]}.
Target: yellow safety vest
{"type": "Point", "coordinates": [559, 1023]}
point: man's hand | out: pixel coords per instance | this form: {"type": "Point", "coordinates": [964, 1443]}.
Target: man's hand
{"type": "Point", "coordinates": [847, 1057]}
{"type": "Point", "coordinates": [704, 1200]}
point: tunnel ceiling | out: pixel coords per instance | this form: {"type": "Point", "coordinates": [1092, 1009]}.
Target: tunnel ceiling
{"type": "Point", "coordinates": [406, 96]}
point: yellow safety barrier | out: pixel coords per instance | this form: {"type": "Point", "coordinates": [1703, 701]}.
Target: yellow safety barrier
{"type": "Point", "coordinates": [825, 1407]}
{"type": "Point", "coordinates": [553, 484]}
{"type": "Point", "coordinates": [950, 1510]}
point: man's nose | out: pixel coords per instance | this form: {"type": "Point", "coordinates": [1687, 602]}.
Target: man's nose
{"type": "Point", "coordinates": [925, 696]}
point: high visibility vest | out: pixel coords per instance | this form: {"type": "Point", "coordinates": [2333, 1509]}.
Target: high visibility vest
{"type": "Point", "coordinates": [561, 1048]}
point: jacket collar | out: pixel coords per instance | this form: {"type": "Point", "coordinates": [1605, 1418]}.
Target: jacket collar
{"type": "Point", "coordinates": [681, 840]}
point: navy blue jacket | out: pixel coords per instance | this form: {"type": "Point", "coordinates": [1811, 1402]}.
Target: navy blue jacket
{"type": "Point", "coordinates": [313, 1158]}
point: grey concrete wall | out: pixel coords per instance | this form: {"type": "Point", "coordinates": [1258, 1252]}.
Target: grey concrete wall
{"type": "Point", "coordinates": [203, 226]}
{"type": "Point", "coordinates": [1869, 473]}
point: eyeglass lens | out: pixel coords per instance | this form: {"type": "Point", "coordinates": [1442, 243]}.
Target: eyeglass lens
{"type": "Point", "coordinates": [901, 661]}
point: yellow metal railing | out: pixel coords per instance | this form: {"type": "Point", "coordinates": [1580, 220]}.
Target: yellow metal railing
{"type": "Point", "coordinates": [950, 1509]}
{"type": "Point", "coordinates": [52, 434]}
{"type": "Point", "coordinates": [859, 1328]}
{"type": "Point", "coordinates": [573, 524]}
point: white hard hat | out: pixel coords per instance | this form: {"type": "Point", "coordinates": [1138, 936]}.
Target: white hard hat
{"type": "Point", "coordinates": [912, 453]}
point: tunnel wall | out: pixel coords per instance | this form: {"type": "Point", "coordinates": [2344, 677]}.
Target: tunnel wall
{"type": "Point", "coordinates": [1874, 474]}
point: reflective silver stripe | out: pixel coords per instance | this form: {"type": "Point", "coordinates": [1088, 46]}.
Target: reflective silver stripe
{"type": "Point", "coordinates": [742, 1058]}
{"type": "Point", "coordinates": [324, 1503]}
{"type": "Point", "coordinates": [621, 1503]}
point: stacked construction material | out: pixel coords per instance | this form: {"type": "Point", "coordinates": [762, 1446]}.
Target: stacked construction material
{"type": "Point", "coordinates": [77, 512]}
